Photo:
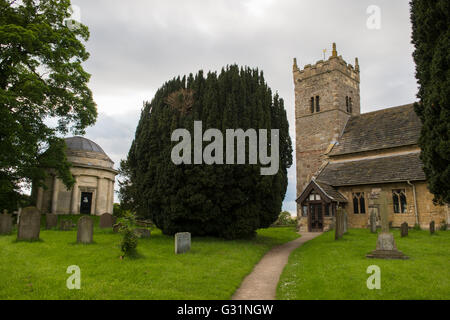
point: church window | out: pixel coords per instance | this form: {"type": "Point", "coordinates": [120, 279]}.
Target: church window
{"type": "Point", "coordinates": [312, 105]}
{"type": "Point", "coordinates": [359, 203]}
{"type": "Point", "coordinates": [305, 211]}
{"type": "Point", "coordinates": [317, 104]}
{"type": "Point", "coordinates": [399, 200]}
{"type": "Point", "coordinates": [347, 104]}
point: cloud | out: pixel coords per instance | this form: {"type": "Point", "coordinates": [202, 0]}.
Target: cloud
{"type": "Point", "coordinates": [136, 46]}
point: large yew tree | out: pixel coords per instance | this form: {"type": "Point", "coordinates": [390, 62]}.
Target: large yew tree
{"type": "Point", "coordinates": [43, 92]}
{"type": "Point", "coordinates": [431, 37]}
{"type": "Point", "coordinates": [229, 201]}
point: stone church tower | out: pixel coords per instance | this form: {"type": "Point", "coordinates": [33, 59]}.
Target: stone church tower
{"type": "Point", "coordinates": [326, 96]}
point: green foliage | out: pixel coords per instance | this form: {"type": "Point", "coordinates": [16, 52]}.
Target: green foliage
{"type": "Point", "coordinates": [229, 201]}
{"type": "Point", "coordinates": [41, 78]}
{"type": "Point", "coordinates": [285, 219]}
{"type": "Point", "coordinates": [431, 37]}
{"type": "Point", "coordinates": [117, 210]}
{"type": "Point", "coordinates": [129, 240]}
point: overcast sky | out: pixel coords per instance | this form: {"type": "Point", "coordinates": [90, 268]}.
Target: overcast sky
{"type": "Point", "coordinates": [137, 45]}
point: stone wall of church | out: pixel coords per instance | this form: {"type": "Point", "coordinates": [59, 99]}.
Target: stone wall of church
{"type": "Point", "coordinates": [427, 211]}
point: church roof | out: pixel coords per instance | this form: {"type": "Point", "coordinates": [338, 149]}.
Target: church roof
{"type": "Point", "coordinates": [328, 193]}
{"type": "Point", "coordinates": [398, 168]}
{"type": "Point", "coordinates": [387, 128]}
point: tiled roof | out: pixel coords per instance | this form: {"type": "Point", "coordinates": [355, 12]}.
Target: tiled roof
{"type": "Point", "coordinates": [387, 128]}
{"type": "Point", "coordinates": [331, 192]}
{"type": "Point", "coordinates": [83, 144]}
{"type": "Point", "coordinates": [371, 171]}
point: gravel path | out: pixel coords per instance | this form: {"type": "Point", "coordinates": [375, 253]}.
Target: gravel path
{"type": "Point", "coordinates": [261, 283]}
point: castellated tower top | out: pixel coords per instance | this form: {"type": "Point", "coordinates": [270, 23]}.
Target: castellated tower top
{"type": "Point", "coordinates": [327, 85]}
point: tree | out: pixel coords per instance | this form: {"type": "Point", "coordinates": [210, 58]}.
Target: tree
{"type": "Point", "coordinates": [229, 201]}
{"type": "Point", "coordinates": [42, 81]}
{"type": "Point", "coordinates": [431, 37]}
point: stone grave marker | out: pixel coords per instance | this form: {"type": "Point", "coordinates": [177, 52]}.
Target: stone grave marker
{"type": "Point", "coordinates": [373, 220]}
{"type": "Point", "coordinates": [66, 225]}
{"type": "Point", "coordinates": [345, 222]}
{"type": "Point", "coordinates": [432, 227]}
{"type": "Point", "coordinates": [142, 233]}
{"type": "Point", "coordinates": [339, 230]}
{"type": "Point", "coordinates": [5, 223]}
{"type": "Point", "coordinates": [85, 230]}
{"type": "Point", "coordinates": [106, 221]}
{"type": "Point", "coordinates": [182, 242]}
{"type": "Point", "coordinates": [29, 224]}
{"type": "Point", "coordinates": [51, 220]}
{"type": "Point", "coordinates": [404, 229]}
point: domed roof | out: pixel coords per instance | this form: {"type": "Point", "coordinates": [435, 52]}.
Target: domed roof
{"type": "Point", "coordinates": [83, 144]}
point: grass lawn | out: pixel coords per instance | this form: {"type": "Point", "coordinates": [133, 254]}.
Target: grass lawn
{"type": "Point", "coordinates": [328, 269]}
{"type": "Point", "coordinates": [213, 269]}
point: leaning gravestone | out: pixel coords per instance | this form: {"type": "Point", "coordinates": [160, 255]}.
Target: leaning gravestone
{"type": "Point", "coordinates": [432, 227]}
{"type": "Point", "coordinates": [106, 221]}
{"type": "Point", "coordinates": [30, 224]}
{"type": "Point", "coordinates": [339, 232]}
{"type": "Point", "coordinates": [66, 225]}
{"type": "Point", "coordinates": [51, 220]}
{"type": "Point", "coordinates": [5, 223]}
{"type": "Point", "coordinates": [85, 230]}
{"type": "Point", "coordinates": [404, 229]}
{"type": "Point", "coordinates": [182, 242]}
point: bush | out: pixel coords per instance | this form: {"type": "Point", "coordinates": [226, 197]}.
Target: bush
{"type": "Point", "coordinates": [228, 201]}
{"type": "Point", "coordinates": [285, 219]}
{"type": "Point", "coordinates": [129, 240]}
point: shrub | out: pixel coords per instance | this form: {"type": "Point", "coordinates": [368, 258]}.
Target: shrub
{"type": "Point", "coordinates": [285, 219]}
{"type": "Point", "coordinates": [129, 240]}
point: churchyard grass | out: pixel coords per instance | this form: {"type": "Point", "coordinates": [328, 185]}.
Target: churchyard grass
{"type": "Point", "coordinates": [213, 269]}
{"type": "Point", "coordinates": [327, 269]}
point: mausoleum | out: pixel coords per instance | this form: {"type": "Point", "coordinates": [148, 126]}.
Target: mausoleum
{"type": "Point", "coordinates": [93, 192]}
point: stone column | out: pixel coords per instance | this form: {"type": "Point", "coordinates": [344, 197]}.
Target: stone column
{"type": "Point", "coordinates": [111, 197]}
{"type": "Point", "coordinates": [55, 194]}
{"type": "Point", "coordinates": [75, 197]}
{"type": "Point", "coordinates": [40, 198]}
{"type": "Point", "coordinates": [98, 209]}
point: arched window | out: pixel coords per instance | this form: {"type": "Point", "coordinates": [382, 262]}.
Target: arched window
{"type": "Point", "coordinates": [399, 201]}
{"type": "Point", "coordinates": [347, 104]}
{"type": "Point", "coordinates": [359, 203]}
{"type": "Point", "coordinates": [312, 105]}
{"type": "Point", "coordinates": [317, 104]}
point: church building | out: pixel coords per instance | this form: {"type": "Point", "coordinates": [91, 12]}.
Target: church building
{"type": "Point", "coordinates": [361, 162]}
{"type": "Point", "coordinates": [93, 192]}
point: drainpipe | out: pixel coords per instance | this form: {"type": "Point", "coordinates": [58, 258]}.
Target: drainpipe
{"type": "Point", "coordinates": [415, 201]}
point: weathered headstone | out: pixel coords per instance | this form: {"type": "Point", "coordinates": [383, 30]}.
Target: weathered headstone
{"type": "Point", "coordinates": [66, 225]}
{"type": "Point", "coordinates": [373, 220]}
{"type": "Point", "coordinates": [182, 242]}
{"type": "Point", "coordinates": [51, 220]}
{"type": "Point", "coordinates": [85, 230]}
{"type": "Point", "coordinates": [339, 230]}
{"type": "Point", "coordinates": [142, 233]}
{"type": "Point", "coordinates": [106, 221]}
{"type": "Point", "coordinates": [30, 224]}
{"type": "Point", "coordinates": [5, 223]}
{"type": "Point", "coordinates": [345, 222]}
{"type": "Point", "coordinates": [432, 227]}
{"type": "Point", "coordinates": [404, 229]}
{"type": "Point", "coordinates": [386, 248]}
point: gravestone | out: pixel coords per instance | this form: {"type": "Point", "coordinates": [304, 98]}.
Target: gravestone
{"type": "Point", "coordinates": [51, 220]}
{"type": "Point", "coordinates": [339, 230]}
{"type": "Point", "coordinates": [66, 225]}
{"type": "Point", "coordinates": [142, 233]}
{"type": "Point", "coordinates": [432, 227]}
{"type": "Point", "coordinates": [373, 220]}
{"type": "Point", "coordinates": [386, 248]}
{"type": "Point", "coordinates": [182, 242]}
{"type": "Point", "coordinates": [404, 229]}
{"type": "Point", "coordinates": [30, 224]}
{"type": "Point", "coordinates": [106, 221]}
{"type": "Point", "coordinates": [5, 223]}
{"type": "Point", "coordinates": [345, 222]}
{"type": "Point", "coordinates": [85, 230]}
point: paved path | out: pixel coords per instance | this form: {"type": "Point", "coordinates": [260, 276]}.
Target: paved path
{"type": "Point", "coordinates": [261, 283]}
